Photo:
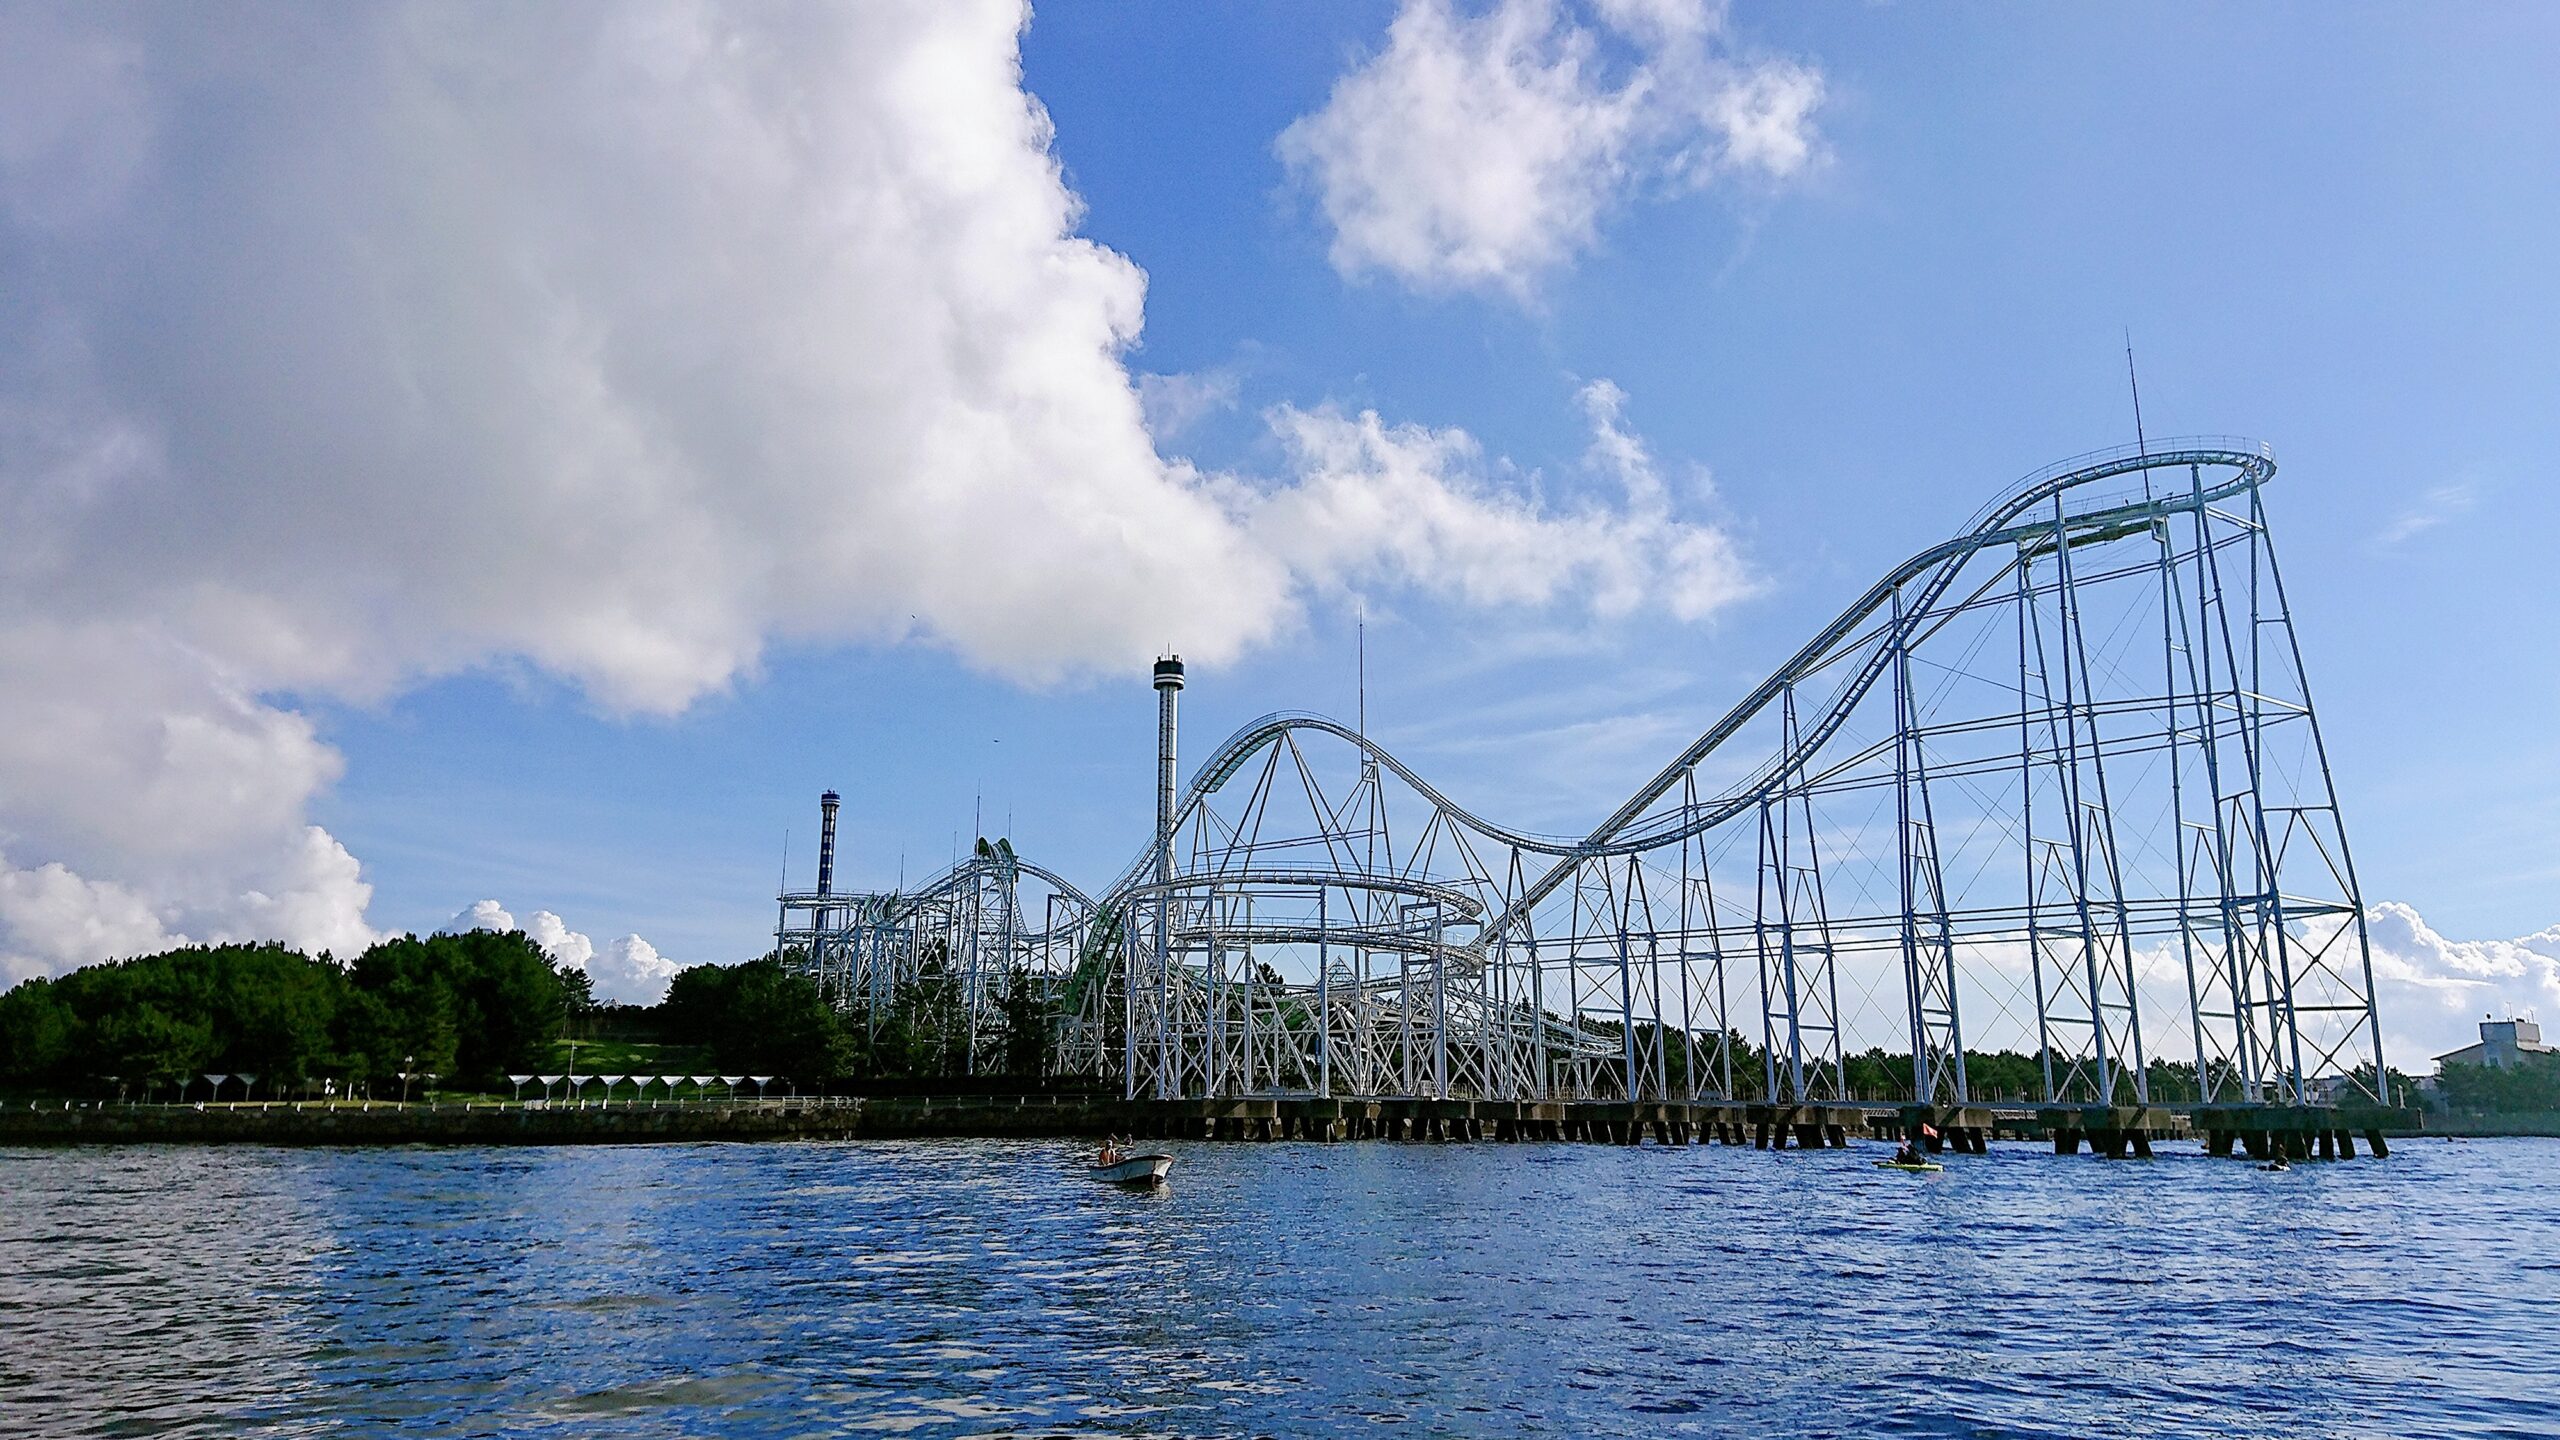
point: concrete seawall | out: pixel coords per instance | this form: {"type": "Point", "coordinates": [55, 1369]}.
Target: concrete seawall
{"type": "Point", "coordinates": [896, 1117]}
{"type": "Point", "coordinates": [2545, 1123]}
{"type": "Point", "coordinates": [2118, 1131]}
{"type": "Point", "coordinates": [417, 1124]}
{"type": "Point", "coordinates": [490, 1124]}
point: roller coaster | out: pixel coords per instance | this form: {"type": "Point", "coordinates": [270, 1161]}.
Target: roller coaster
{"type": "Point", "coordinates": [2056, 783]}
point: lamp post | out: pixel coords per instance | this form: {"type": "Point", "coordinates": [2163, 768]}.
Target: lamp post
{"type": "Point", "coordinates": [407, 1062]}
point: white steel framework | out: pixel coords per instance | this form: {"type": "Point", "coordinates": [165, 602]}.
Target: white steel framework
{"type": "Point", "coordinates": [2057, 780]}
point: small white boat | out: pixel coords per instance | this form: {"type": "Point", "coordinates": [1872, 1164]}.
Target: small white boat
{"type": "Point", "coordinates": [1133, 1170]}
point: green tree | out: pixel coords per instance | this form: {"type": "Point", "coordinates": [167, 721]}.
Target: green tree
{"type": "Point", "coordinates": [467, 1006]}
{"type": "Point", "coordinates": [780, 1023]}
{"type": "Point", "coordinates": [760, 1018]}
{"type": "Point", "coordinates": [38, 1032]}
{"type": "Point", "coordinates": [275, 1013]}
{"type": "Point", "coordinates": [1028, 1024]}
{"type": "Point", "coordinates": [577, 1002]}
{"type": "Point", "coordinates": [470, 1007]}
{"type": "Point", "coordinates": [2003, 1075]}
{"type": "Point", "coordinates": [2532, 1083]}
{"type": "Point", "coordinates": [696, 1000]}
{"type": "Point", "coordinates": [924, 1033]}
{"type": "Point", "coordinates": [143, 1043]}
{"type": "Point", "coordinates": [2397, 1089]}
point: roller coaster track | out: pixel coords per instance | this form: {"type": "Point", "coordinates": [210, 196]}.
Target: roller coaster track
{"type": "Point", "coordinates": [1503, 945]}
{"type": "Point", "coordinates": [1620, 834]}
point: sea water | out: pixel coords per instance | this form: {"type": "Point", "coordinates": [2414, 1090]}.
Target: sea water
{"type": "Point", "coordinates": [988, 1288]}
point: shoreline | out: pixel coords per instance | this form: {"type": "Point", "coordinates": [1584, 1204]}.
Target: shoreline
{"type": "Point", "coordinates": [44, 1122]}
{"type": "Point", "coordinates": [502, 1123]}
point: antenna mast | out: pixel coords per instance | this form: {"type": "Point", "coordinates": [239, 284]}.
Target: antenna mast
{"type": "Point", "coordinates": [1368, 762]}
{"type": "Point", "coordinates": [2141, 444]}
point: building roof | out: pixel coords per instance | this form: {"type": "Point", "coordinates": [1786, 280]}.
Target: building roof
{"type": "Point", "coordinates": [2473, 1054]}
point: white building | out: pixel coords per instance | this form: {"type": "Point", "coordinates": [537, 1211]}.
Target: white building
{"type": "Point", "coordinates": [2502, 1042]}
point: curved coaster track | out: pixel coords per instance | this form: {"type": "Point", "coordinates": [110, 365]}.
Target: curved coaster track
{"type": "Point", "coordinates": [2054, 785]}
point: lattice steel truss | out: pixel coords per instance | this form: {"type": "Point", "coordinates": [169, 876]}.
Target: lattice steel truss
{"type": "Point", "coordinates": [2056, 783]}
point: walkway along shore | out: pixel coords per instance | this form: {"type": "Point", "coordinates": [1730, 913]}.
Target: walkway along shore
{"type": "Point", "coordinates": [2262, 1131]}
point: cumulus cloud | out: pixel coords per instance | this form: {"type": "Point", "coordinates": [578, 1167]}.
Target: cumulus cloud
{"type": "Point", "coordinates": [2434, 991]}
{"type": "Point", "coordinates": [631, 971]}
{"type": "Point", "coordinates": [628, 971]}
{"type": "Point", "coordinates": [619, 341]}
{"type": "Point", "coordinates": [2431, 991]}
{"type": "Point", "coordinates": [57, 920]}
{"type": "Point", "coordinates": [154, 801]}
{"type": "Point", "coordinates": [616, 338]}
{"type": "Point", "coordinates": [480, 915]}
{"type": "Point", "coordinates": [1480, 152]}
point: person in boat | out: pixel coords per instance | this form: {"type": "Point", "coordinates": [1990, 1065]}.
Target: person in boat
{"type": "Point", "coordinates": [1909, 1154]}
{"type": "Point", "coordinates": [1110, 1151]}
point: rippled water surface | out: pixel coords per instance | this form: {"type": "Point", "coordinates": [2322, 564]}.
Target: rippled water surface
{"type": "Point", "coordinates": [966, 1288]}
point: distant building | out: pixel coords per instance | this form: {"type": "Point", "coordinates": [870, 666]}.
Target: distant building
{"type": "Point", "coordinates": [2325, 1089]}
{"type": "Point", "coordinates": [2502, 1043]}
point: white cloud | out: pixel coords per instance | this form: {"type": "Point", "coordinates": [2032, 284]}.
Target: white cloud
{"type": "Point", "coordinates": [56, 920]}
{"type": "Point", "coordinates": [1175, 403]}
{"type": "Point", "coordinates": [617, 340]}
{"type": "Point", "coordinates": [1376, 501]}
{"type": "Point", "coordinates": [2431, 993]}
{"type": "Point", "coordinates": [1481, 152]}
{"type": "Point", "coordinates": [565, 946]}
{"type": "Point", "coordinates": [2434, 991]}
{"type": "Point", "coordinates": [629, 971]}
{"type": "Point", "coordinates": [479, 915]}
{"type": "Point", "coordinates": [2438, 505]}
{"type": "Point", "coordinates": [314, 900]}
{"type": "Point", "coordinates": [156, 802]}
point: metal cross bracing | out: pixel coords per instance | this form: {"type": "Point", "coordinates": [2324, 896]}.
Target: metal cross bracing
{"type": "Point", "coordinates": [2055, 785]}
{"type": "Point", "coordinates": [972, 933]}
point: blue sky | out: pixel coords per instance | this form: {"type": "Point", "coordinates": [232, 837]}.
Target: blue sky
{"type": "Point", "coordinates": [2325, 227]}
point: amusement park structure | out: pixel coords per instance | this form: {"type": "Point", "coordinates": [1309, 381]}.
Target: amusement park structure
{"type": "Point", "coordinates": [2054, 783]}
